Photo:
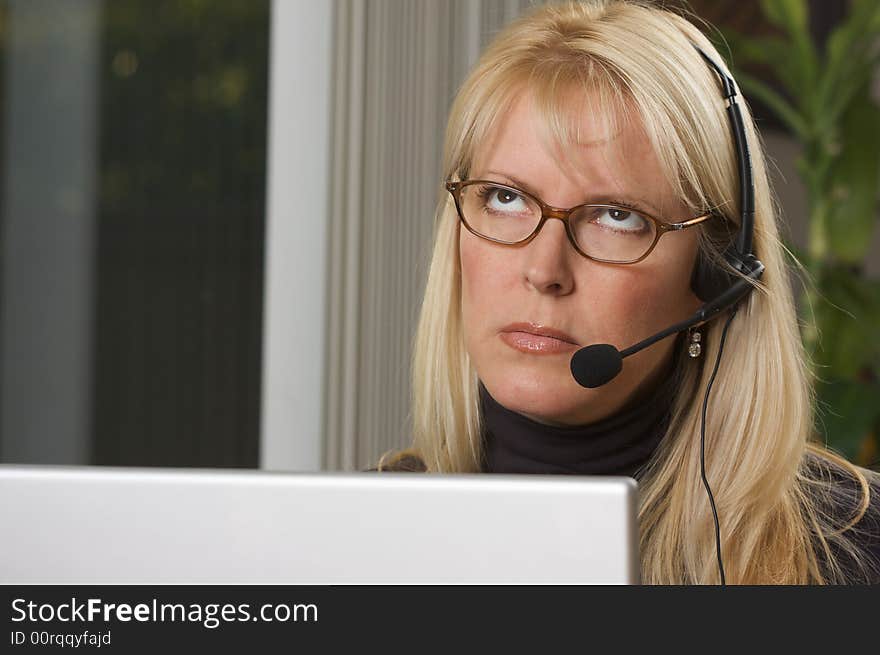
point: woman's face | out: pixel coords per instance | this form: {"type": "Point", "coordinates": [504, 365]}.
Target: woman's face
{"type": "Point", "coordinates": [511, 296]}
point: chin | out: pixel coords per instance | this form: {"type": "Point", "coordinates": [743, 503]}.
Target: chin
{"type": "Point", "coordinates": [547, 397]}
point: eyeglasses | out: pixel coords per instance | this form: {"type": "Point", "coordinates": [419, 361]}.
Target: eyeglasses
{"type": "Point", "coordinates": [612, 234]}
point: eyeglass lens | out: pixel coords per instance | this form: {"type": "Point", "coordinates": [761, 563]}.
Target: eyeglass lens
{"type": "Point", "coordinates": [610, 233]}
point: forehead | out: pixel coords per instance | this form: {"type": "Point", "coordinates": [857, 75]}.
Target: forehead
{"type": "Point", "coordinates": [598, 149]}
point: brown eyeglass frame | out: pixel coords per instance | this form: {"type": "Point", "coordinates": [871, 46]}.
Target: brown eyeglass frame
{"type": "Point", "coordinates": [564, 215]}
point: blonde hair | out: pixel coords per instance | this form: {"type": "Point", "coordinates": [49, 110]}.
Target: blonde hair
{"type": "Point", "coordinates": [775, 490]}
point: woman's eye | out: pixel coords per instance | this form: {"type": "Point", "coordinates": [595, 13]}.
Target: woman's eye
{"type": "Point", "coordinates": [622, 220]}
{"type": "Point", "coordinates": [503, 201]}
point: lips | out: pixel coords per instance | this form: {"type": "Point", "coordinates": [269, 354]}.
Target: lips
{"type": "Point", "coordinates": [537, 339]}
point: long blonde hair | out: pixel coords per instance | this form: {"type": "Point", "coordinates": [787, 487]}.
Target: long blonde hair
{"type": "Point", "coordinates": [774, 489]}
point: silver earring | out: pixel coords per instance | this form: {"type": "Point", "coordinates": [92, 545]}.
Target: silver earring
{"type": "Point", "coordinates": [694, 347]}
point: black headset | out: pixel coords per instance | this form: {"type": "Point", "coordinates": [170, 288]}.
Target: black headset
{"type": "Point", "coordinates": [710, 282]}
{"type": "Point", "coordinates": [718, 288]}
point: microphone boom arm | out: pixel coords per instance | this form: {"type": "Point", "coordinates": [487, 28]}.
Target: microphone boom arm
{"type": "Point", "coordinates": [707, 311]}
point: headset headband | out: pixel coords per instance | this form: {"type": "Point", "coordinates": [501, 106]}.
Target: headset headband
{"type": "Point", "coordinates": [743, 243]}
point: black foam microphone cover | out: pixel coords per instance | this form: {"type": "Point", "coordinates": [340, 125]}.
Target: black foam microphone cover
{"type": "Point", "coordinates": [596, 365]}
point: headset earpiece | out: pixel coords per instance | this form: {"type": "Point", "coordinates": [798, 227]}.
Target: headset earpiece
{"type": "Point", "coordinates": [708, 280]}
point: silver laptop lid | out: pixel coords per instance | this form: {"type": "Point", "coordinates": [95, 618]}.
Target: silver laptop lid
{"type": "Point", "coordinates": [145, 525]}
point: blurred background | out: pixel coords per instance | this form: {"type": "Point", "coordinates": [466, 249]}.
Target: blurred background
{"type": "Point", "coordinates": [215, 217]}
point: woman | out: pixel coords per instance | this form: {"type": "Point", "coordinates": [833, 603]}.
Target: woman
{"type": "Point", "coordinates": [608, 107]}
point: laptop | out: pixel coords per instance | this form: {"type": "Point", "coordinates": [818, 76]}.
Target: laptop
{"type": "Point", "coordinates": [109, 525]}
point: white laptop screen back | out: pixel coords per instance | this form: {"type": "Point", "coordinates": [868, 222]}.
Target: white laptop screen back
{"type": "Point", "coordinates": [123, 525]}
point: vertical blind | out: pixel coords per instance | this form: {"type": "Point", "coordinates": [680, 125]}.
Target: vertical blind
{"type": "Point", "coordinates": [397, 67]}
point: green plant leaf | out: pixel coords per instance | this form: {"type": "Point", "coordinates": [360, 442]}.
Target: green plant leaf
{"type": "Point", "coordinates": [850, 56]}
{"type": "Point", "coordinates": [847, 411]}
{"type": "Point", "coordinates": [873, 19]}
{"type": "Point", "coordinates": [792, 16]}
{"type": "Point", "coordinates": [847, 316]}
{"type": "Point", "coordinates": [853, 179]}
{"type": "Point", "coordinates": [779, 105]}
{"type": "Point", "coordinates": [771, 52]}
{"type": "Point", "coordinates": [852, 35]}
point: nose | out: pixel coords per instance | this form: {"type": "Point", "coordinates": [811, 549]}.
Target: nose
{"type": "Point", "coordinates": [547, 266]}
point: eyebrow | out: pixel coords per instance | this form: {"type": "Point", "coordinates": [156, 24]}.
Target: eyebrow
{"type": "Point", "coordinates": [635, 203]}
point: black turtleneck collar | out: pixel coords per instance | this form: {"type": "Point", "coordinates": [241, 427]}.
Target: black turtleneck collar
{"type": "Point", "coordinates": [618, 445]}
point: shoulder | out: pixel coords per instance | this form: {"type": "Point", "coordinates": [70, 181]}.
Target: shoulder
{"type": "Point", "coordinates": [866, 532]}
{"type": "Point", "coordinates": [850, 507]}
{"type": "Point", "coordinates": [402, 462]}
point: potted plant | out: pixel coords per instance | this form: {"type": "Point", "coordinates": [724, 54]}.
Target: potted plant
{"type": "Point", "coordinates": [822, 93]}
